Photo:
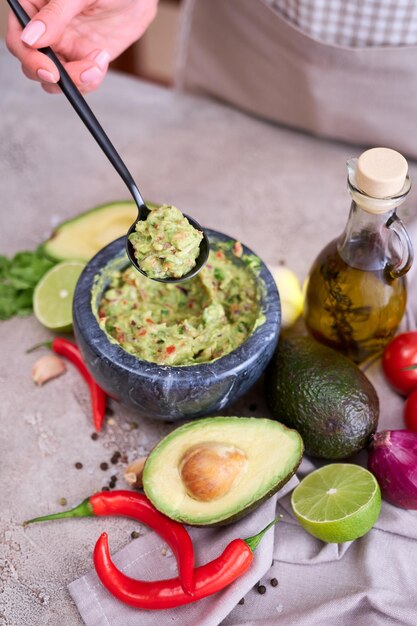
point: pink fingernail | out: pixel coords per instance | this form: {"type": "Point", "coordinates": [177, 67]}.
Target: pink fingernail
{"type": "Point", "coordinates": [33, 32]}
{"type": "Point", "coordinates": [102, 59]}
{"type": "Point", "coordinates": [45, 76]}
{"type": "Point", "coordinates": [90, 75]}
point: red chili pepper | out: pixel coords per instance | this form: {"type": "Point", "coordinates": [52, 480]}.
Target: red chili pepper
{"type": "Point", "coordinates": [98, 396]}
{"type": "Point", "coordinates": [138, 507]}
{"type": "Point", "coordinates": [165, 594]}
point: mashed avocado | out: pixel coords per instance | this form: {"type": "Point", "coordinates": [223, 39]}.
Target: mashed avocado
{"type": "Point", "coordinates": [166, 244]}
{"type": "Point", "coordinates": [193, 322]}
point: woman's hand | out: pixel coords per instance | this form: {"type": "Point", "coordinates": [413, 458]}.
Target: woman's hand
{"type": "Point", "coordinates": [85, 34]}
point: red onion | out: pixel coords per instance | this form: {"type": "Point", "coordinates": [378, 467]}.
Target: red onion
{"type": "Point", "coordinates": [393, 461]}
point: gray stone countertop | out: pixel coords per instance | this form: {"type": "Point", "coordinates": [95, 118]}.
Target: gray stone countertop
{"type": "Point", "coordinates": [279, 191]}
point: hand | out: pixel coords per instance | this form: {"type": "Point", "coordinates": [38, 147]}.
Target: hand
{"type": "Point", "coordinates": [85, 34]}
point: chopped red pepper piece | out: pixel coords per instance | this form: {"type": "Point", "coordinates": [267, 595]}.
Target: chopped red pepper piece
{"type": "Point", "coordinates": [238, 249]}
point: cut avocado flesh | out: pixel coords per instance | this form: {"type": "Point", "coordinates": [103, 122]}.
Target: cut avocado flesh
{"type": "Point", "coordinates": [86, 234]}
{"type": "Point", "coordinates": [215, 470]}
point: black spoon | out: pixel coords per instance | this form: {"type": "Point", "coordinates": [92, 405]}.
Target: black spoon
{"type": "Point", "coordinates": [93, 125]}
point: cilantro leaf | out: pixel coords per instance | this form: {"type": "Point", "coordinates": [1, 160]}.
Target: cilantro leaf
{"type": "Point", "coordinates": [18, 279]}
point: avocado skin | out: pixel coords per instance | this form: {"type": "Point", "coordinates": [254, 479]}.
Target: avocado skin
{"type": "Point", "coordinates": [322, 394]}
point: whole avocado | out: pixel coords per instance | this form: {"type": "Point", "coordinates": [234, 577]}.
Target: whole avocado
{"type": "Point", "coordinates": [322, 394]}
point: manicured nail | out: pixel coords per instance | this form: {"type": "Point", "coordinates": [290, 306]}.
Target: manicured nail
{"type": "Point", "coordinates": [90, 75]}
{"type": "Point", "coordinates": [102, 59]}
{"type": "Point", "coordinates": [45, 76]}
{"type": "Point", "coordinates": [33, 32]}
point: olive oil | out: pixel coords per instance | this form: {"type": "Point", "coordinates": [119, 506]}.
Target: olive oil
{"type": "Point", "coordinates": [355, 311]}
{"type": "Point", "coordinates": [356, 291]}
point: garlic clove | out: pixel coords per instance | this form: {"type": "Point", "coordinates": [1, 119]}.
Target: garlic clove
{"type": "Point", "coordinates": [47, 367]}
{"type": "Point", "coordinates": [134, 472]}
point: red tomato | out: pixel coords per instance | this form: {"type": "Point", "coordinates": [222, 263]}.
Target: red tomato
{"type": "Point", "coordinates": [410, 411]}
{"type": "Point", "coordinates": [401, 352]}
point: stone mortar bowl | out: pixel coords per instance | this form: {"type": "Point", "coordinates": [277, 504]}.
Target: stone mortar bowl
{"type": "Point", "coordinates": [165, 392]}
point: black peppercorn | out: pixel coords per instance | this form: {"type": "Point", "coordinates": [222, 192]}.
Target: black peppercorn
{"type": "Point", "coordinates": [261, 589]}
{"type": "Point", "coordinates": [274, 582]}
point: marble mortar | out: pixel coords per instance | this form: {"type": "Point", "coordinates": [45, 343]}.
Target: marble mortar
{"type": "Point", "coordinates": [164, 392]}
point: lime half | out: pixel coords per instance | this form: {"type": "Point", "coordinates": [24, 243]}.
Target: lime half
{"type": "Point", "coordinates": [338, 502]}
{"type": "Point", "coordinates": [53, 295]}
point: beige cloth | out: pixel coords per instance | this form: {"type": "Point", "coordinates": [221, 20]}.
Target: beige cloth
{"type": "Point", "coordinates": [247, 54]}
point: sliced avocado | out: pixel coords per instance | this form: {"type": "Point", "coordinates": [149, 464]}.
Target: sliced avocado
{"type": "Point", "coordinates": [83, 236]}
{"type": "Point", "coordinates": [322, 394]}
{"type": "Point", "coordinates": [214, 471]}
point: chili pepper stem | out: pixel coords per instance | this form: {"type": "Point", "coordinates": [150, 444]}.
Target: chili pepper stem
{"type": "Point", "coordinates": [253, 541]}
{"type": "Point", "coordinates": [84, 509]}
{"type": "Point", "coordinates": [43, 344]}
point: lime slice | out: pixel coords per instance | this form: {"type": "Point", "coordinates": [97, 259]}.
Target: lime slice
{"type": "Point", "coordinates": [52, 299]}
{"type": "Point", "coordinates": [338, 502]}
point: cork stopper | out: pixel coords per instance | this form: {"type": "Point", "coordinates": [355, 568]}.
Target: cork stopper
{"type": "Point", "coordinates": [381, 172]}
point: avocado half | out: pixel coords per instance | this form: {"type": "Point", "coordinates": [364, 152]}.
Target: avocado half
{"type": "Point", "coordinates": [86, 234]}
{"type": "Point", "coordinates": [216, 470]}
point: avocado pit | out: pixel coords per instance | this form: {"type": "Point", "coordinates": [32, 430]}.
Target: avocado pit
{"type": "Point", "coordinates": [210, 470]}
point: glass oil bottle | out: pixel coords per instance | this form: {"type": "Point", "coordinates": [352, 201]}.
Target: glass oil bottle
{"type": "Point", "coordinates": [356, 291]}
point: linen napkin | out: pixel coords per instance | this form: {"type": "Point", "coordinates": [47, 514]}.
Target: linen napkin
{"type": "Point", "coordinates": [147, 558]}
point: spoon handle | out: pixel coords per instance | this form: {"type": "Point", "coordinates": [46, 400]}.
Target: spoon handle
{"type": "Point", "coordinates": [84, 111]}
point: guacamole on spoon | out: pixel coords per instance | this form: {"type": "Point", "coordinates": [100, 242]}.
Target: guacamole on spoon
{"type": "Point", "coordinates": [166, 245]}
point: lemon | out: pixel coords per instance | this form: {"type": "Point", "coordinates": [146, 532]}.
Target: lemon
{"type": "Point", "coordinates": [290, 294]}
{"type": "Point", "coordinates": [338, 502]}
{"type": "Point", "coordinates": [53, 295]}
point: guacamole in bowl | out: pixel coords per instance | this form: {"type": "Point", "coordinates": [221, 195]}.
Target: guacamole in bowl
{"type": "Point", "coordinates": [177, 351]}
{"type": "Point", "coordinates": [197, 321]}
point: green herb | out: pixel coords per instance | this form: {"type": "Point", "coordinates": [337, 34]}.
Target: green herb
{"type": "Point", "coordinates": [18, 279]}
{"type": "Point", "coordinates": [252, 261]}
{"type": "Point", "coordinates": [218, 274]}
